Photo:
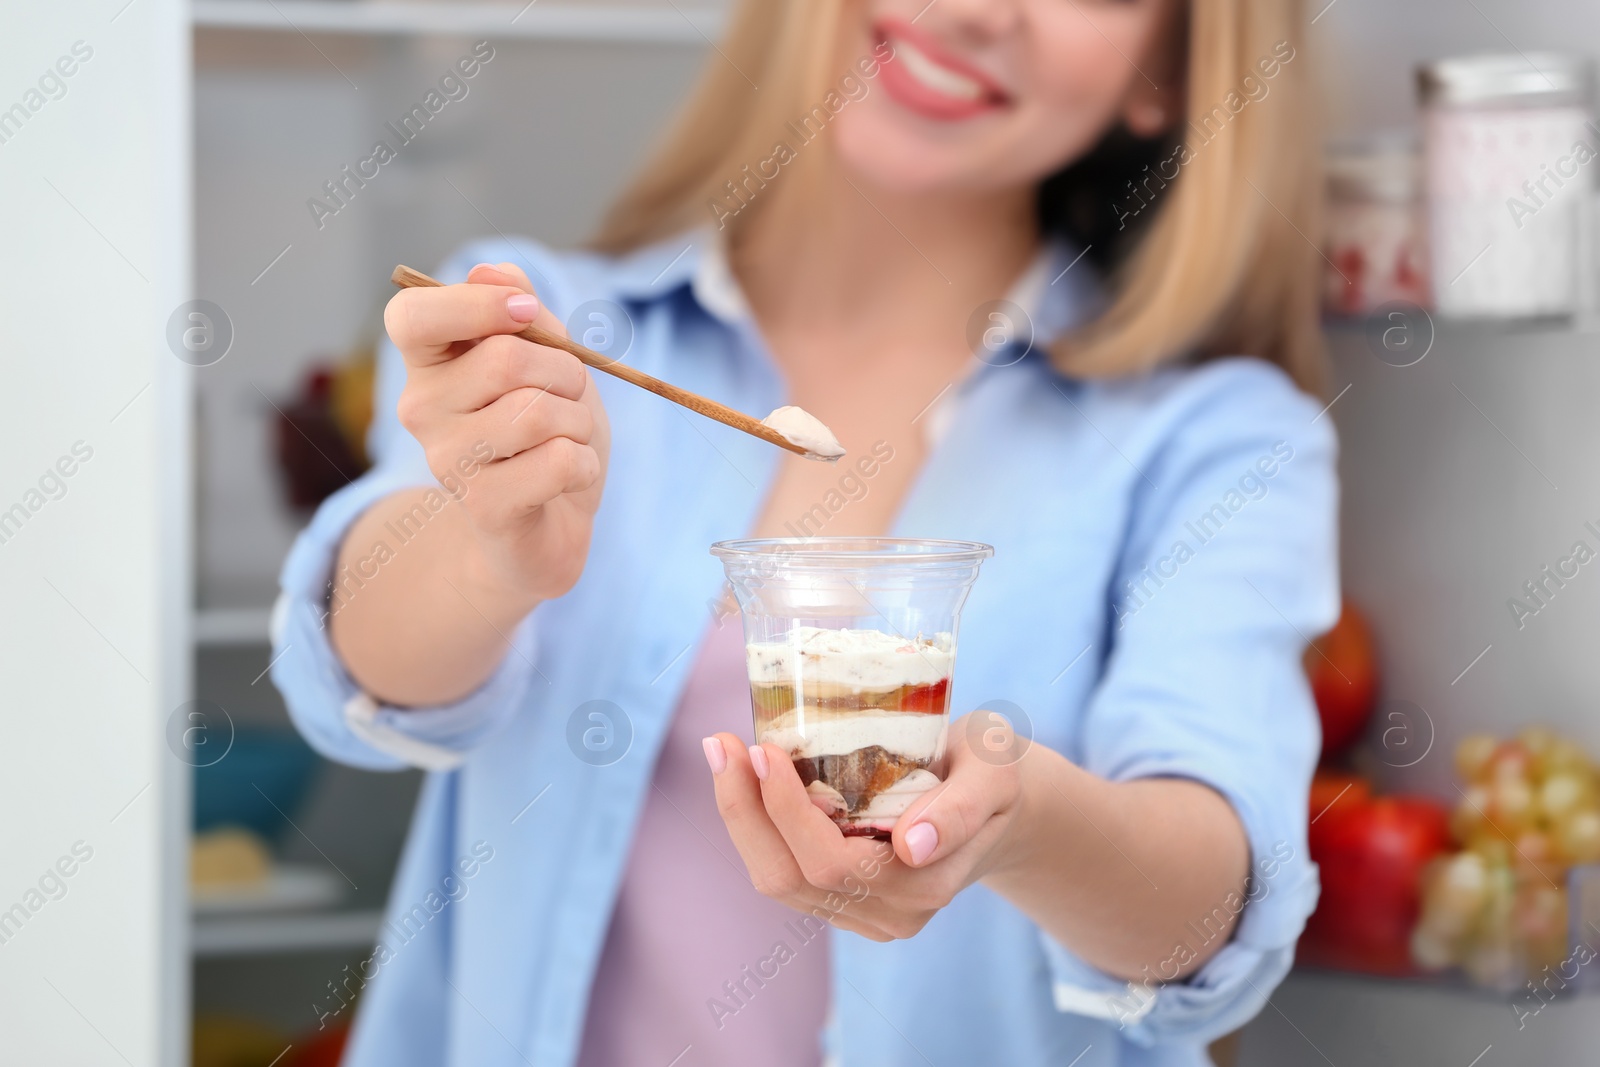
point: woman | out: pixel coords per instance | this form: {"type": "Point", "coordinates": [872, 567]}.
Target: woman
{"type": "Point", "coordinates": [519, 598]}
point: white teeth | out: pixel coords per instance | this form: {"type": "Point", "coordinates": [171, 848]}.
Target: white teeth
{"type": "Point", "coordinates": [936, 76]}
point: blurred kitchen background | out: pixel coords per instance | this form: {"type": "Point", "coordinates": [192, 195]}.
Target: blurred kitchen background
{"type": "Point", "coordinates": [1463, 337]}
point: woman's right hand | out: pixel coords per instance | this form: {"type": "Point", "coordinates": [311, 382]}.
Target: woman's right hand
{"type": "Point", "coordinates": [525, 420]}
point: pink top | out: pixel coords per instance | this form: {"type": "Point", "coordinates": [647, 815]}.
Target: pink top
{"type": "Point", "coordinates": [699, 970]}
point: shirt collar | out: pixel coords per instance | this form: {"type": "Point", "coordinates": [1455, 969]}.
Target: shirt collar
{"type": "Point", "coordinates": [1056, 292]}
{"type": "Point", "coordinates": [659, 270]}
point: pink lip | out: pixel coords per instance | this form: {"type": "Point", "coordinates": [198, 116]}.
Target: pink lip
{"type": "Point", "coordinates": [915, 96]}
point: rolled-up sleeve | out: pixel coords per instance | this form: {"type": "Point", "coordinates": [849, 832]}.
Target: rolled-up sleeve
{"type": "Point", "coordinates": [1230, 567]}
{"type": "Point", "coordinates": [324, 701]}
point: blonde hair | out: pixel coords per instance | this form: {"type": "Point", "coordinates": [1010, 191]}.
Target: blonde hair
{"type": "Point", "coordinates": [1224, 265]}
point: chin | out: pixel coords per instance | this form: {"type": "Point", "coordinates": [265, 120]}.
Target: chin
{"type": "Point", "coordinates": [877, 150]}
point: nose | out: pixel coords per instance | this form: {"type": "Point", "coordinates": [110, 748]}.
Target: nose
{"type": "Point", "coordinates": [971, 21]}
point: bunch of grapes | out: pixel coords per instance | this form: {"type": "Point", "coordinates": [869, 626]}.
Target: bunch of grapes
{"type": "Point", "coordinates": [1529, 811]}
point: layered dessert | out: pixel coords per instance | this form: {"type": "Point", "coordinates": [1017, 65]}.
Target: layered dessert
{"type": "Point", "coordinates": [861, 713]}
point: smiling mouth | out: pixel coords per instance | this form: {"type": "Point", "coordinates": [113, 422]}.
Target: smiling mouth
{"type": "Point", "coordinates": [938, 78]}
{"type": "Point", "coordinates": [926, 79]}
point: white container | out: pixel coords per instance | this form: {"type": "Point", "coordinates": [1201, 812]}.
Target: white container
{"type": "Point", "coordinates": [1511, 158]}
{"type": "Point", "coordinates": [1375, 230]}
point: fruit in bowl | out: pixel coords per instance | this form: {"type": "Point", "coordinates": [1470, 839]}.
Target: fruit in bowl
{"type": "Point", "coordinates": [1498, 908]}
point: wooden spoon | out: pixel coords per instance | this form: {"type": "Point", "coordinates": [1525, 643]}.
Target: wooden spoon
{"type": "Point", "coordinates": [407, 278]}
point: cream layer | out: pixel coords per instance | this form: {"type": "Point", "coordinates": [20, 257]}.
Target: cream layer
{"type": "Point", "coordinates": [909, 734]}
{"type": "Point", "coordinates": [851, 660]}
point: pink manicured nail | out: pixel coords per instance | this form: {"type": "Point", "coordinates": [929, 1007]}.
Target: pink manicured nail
{"type": "Point", "coordinates": [921, 840]}
{"type": "Point", "coordinates": [758, 760]}
{"type": "Point", "coordinates": [716, 755]}
{"type": "Point", "coordinates": [523, 307]}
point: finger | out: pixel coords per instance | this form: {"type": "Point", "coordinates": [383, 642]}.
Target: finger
{"type": "Point", "coordinates": [866, 930]}
{"type": "Point", "coordinates": [826, 857]}
{"type": "Point", "coordinates": [954, 813]}
{"type": "Point", "coordinates": [500, 274]}
{"type": "Point", "coordinates": [851, 919]}
{"type": "Point", "coordinates": [462, 462]}
{"type": "Point", "coordinates": [510, 274]}
{"type": "Point", "coordinates": [772, 866]}
{"type": "Point", "coordinates": [426, 322]}
{"type": "Point", "coordinates": [498, 365]}
{"type": "Point", "coordinates": [517, 422]}
{"type": "Point", "coordinates": [538, 475]}
{"type": "Point", "coordinates": [528, 418]}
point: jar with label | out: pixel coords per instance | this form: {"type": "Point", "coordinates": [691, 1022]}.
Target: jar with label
{"type": "Point", "coordinates": [1510, 154]}
{"type": "Point", "coordinates": [1376, 252]}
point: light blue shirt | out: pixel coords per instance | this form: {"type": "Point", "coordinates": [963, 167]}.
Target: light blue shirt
{"type": "Point", "coordinates": [1164, 546]}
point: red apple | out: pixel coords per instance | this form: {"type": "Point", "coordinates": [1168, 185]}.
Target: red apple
{"type": "Point", "coordinates": [1342, 665]}
{"type": "Point", "coordinates": [1372, 857]}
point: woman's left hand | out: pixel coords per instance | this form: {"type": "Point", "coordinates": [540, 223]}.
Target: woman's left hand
{"type": "Point", "coordinates": [951, 837]}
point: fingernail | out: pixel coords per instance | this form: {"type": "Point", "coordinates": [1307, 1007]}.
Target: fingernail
{"type": "Point", "coordinates": [716, 755]}
{"type": "Point", "coordinates": [483, 266]}
{"type": "Point", "coordinates": [921, 840]}
{"type": "Point", "coordinates": [758, 760]}
{"type": "Point", "coordinates": [523, 306]}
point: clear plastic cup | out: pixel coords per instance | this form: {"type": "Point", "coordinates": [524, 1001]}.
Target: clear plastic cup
{"type": "Point", "coordinates": [850, 645]}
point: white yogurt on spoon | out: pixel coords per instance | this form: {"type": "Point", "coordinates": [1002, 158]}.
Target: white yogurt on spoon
{"type": "Point", "coordinates": [804, 430]}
